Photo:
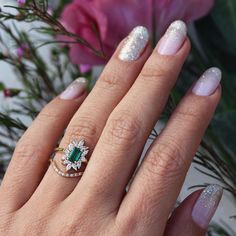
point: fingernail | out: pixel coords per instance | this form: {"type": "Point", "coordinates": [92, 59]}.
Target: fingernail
{"type": "Point", "coordinates": [208, 83]}
{"type": "Point", "coordinates": [74, 90]}
{"type": "Point", "coordinates": [173, 39]}
{"type": "Point", "coordinates": [134, 44]}
{"type": "Point", "coordinates": [206, 205]}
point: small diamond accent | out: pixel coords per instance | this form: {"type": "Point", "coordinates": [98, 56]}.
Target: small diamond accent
{"type": "Point", "coordinates": [75, 155]}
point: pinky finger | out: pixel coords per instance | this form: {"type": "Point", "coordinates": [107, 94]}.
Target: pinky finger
{"type": "Point", "coordinates": [193, 216]}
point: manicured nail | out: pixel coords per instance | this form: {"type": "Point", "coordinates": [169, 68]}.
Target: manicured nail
{"type": "Point", "coordinates": [74, 90]}
{"type": "Point", "coordinates": [173, 39]}
{"type": "Point", "coordinates": [134, 44]}
{"type": "Point", "coordinates": [208, 83]}
{"type": "Point", "coordinates": [206, 205]}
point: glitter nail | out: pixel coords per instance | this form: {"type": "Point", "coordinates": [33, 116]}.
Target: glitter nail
{"type": "Point", "coordinates": [134, 44]}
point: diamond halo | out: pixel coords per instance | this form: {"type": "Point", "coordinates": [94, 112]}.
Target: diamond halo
{"type": "Point", "coordinates": [75, 155]}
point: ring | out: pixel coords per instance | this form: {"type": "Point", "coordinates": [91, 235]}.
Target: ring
{"type": "Point", "coordinates": [74, 156]}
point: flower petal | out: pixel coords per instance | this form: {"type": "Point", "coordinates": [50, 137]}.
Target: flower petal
{"type": "Point", "coordinates": [168, 11]}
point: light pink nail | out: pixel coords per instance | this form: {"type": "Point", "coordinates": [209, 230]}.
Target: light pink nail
{"type": "Point", "coordinates": [173, 39]}
{"type": "Point", "coordinates": [74, 90]}
{"type": "Point", "coordinates": [206, 205]}
{"type": "Point", "coordinates": [208, 83]}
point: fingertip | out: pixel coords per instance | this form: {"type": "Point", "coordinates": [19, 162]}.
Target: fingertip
{"type": "Point", "coordinates": [206, 205]}
{"type": "Point", "coordinates": [134, 45]}
{"type": "Point", "coordinates": [195, 212]}
{"type": "Point", "coordinates": [208, 85]}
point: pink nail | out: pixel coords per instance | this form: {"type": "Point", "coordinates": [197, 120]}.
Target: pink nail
{"type": "Point", "coordinates": [206, 205]}
{"type": "Point", "coordinates": [173, 39]}
{"type": "Point", "coordinates": [208, 83]}
{"type": "Point", "coordinates": [75, 90]}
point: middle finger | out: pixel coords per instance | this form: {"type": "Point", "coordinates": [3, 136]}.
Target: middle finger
{"type": "Point", "coordinates": [130, 124]}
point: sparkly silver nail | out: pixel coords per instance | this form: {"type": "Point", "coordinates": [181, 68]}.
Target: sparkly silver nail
{"type": "Point", "coordinates": [210, 195]}
{"type": "Point", "coordinates": [206, 205]}
{"type": "Point", "coordinates": [134, 44]}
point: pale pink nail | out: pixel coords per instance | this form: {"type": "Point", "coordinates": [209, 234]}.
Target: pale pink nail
{"type": "Point", "coordinates": [208, 83]}
{"type": "Point", "coordinates": [74, 90]}
{"type": "Point", "coordinates": [173, 39]}
{"type": "Point", "coordinates": [206, 205]}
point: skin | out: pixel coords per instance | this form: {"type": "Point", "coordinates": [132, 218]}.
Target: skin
{"type": "Point", "coordinates": [115, 121]}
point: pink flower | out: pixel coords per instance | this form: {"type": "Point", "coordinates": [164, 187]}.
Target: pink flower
{"type": "Point", "coordinates": [11, 92]}
{"type": "Point", "coordinates": [22, 50]}
{"type": "Point", "coordinates": [21, 2]}
{"type": "Point", "coordinates": [84, 68]}
{"type": "Point", "coordinates": [112, 20]}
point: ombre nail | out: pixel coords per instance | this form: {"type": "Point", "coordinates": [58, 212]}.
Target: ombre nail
{"type": "Point", "coordinates": [206, 205]}
{"type": "Point", "coordinates": [208, 83]}
{"type": "Point", "coordinates": [134, 44]}
{"type": "Point", "coordinates": [173, 39]}
{"type": "Point", "coordinates": [75, 90]}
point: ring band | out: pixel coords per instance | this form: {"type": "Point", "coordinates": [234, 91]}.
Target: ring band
{"type": "Point", "coordinates": [63, 174]}
{"type": "Point", "coordinates": [74, 156]}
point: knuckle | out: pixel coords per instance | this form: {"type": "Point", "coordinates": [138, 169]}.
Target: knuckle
{"type": "Point", "coordinates": [25, 151]}
{"type": "Point", "coordinates": [49, 114]}
{"type": "Point", "coordinates": [123, 129]}
{"type": "Point", "coordinates": [165, 160]}
{"type": "Point", "coordinates": [84, 127]}
{"type": "Point", "coordinates": [108, 80]}
{"type": "Point", "coordinates": [153, 73]}
{"type": "Point", "coordinates": [188, 115]}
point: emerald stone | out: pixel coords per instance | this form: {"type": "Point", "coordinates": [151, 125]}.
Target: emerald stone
{"type": "Point", "coordinates": [75, 155]}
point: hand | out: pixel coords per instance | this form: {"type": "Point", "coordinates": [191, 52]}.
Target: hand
{"type": "Point", "coordinates": [115, 121]}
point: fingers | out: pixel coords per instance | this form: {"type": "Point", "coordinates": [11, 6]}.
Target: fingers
{"type": "Point", "coordinates": [88, 123]}
{"type": "Point", "coordinates": [31, 156]}
{"type": "Point", "coordinates": [162, 173]}
{"type": "Point", "coordinates": [194, 214]}
{"type": "Point", "coordinates": [131, 122]}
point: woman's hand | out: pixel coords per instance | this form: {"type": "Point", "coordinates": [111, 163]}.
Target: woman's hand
{"type": "Point", "coordinates": [115, 121]}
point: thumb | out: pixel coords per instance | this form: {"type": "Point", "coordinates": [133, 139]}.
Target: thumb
{"type": "Point", "coordinates": [194, 214]}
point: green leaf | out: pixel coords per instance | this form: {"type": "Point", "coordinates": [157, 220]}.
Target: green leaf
{"type": "Point", "coordinates": [224, 16]}
{"type": "Point", "coordinates": [2, 86]}
{"type": "Point", "coordinates": [8, 122]}
{"type": "Point", "coordinates": [221, 229]}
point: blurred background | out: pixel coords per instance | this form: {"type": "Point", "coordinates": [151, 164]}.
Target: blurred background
{"type": "Point", "coordinates": [44, 45]}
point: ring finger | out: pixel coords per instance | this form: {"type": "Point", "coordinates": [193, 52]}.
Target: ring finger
{"type": "Point", "coordinates": [89, 121]}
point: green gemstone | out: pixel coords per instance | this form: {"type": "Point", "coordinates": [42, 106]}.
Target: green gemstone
{"type": "Point", "coordinates": [75, 155]}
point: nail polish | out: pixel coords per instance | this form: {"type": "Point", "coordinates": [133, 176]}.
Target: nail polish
{"type": "Point", "coordinates": [173, 39]}
{"type": "Point", "coordinates": [134, 44]}
{"type": "Point", "coordinates": [74, 90]}
{"type": "Point", "coordinates": [208, 83]}
{"type": "Point", "coordinates": [206, 205]}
